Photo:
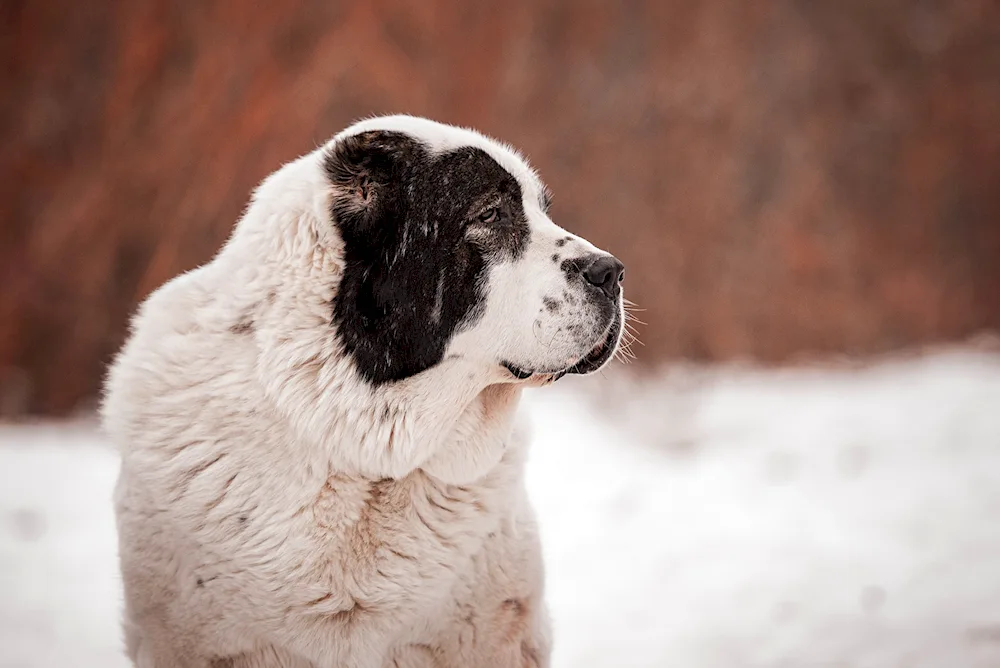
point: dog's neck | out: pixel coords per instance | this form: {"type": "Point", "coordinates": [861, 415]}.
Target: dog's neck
{"type": "Point", "coordinates": [478, 438]}
{"type": "Point", "coordinates": [453, 421]}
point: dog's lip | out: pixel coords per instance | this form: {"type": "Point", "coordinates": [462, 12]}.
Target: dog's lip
{"type": "Point", "coordinates": [516, 371]}
{"type": "Point", "coordinates": [589, 363]}
{"type": "Point", "coordinates": [600, 353]}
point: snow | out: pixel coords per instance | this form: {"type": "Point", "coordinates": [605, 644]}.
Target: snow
{"type": "Point", "coordinates": [59, 589]}
{"type": "Point", "coordinates": [709, 518]}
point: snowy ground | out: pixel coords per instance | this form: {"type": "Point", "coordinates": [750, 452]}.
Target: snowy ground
{"type": "Point", "coordinates": [710, 519]}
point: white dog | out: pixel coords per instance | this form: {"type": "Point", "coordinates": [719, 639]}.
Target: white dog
{"type": "Point", "coordinates": [319, 462]}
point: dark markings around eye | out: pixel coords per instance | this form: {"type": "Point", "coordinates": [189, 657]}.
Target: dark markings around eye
{"type": "Point", "coordinates": [414, 272]}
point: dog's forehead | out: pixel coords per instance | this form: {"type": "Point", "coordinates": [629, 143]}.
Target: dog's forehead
{"type": "Point", "coordinates": [441, 138]}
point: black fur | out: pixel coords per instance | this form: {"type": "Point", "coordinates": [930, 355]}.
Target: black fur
{"type": "Point", "coordinates": [419, 236]}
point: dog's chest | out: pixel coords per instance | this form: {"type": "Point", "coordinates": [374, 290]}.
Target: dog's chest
{"type": "Point", "coordinates": [398, 540]}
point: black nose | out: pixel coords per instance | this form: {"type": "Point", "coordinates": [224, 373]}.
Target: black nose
{"type": "Point", "coordinates": [605, 272]}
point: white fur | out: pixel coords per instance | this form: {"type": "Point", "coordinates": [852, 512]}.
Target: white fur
{"type": "Point", "coordinates": [276, 510]}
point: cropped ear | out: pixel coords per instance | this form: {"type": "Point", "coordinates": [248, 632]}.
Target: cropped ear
{"type": "Point", "coordinates": [367, 171]}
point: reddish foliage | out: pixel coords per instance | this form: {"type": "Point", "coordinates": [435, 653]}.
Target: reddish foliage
{"type": "Point", "coordinates": [779, 177]}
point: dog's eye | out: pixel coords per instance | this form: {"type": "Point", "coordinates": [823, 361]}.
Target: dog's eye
{"type": "Point", "coordinates": [491, 215]}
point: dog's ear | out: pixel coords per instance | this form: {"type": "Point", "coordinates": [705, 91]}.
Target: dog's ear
{"type": "Point", "coordinates": [367, 171]}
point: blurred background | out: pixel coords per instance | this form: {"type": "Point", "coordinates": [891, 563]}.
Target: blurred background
{"type": "Point", "coordinates": [790, 183]}
{"type": "Point", "coordinates": [780, 177]}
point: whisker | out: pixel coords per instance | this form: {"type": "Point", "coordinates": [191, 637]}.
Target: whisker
{"type": "Point", "coordinates": [631, 318]}
{"type": "Point", "coordinates": [624, 357]}
{"type": "Point", "coordinates": [629, 337]}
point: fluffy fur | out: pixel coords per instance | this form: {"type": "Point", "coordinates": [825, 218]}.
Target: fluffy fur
{"type": "Point", "coordinates": [320, 465]}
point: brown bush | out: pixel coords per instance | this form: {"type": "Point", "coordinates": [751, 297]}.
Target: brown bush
{"type": "Point", "coordinates": [779, 177]}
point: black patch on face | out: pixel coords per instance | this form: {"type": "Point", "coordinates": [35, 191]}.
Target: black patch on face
{"type": "Point", "coordinates": [551, 304]}
{"type": "Point", "coordinates": [555, 257]}
{"type": "Point", "coordinates": [419, 232]}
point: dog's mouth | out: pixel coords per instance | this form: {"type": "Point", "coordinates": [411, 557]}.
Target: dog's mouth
{"type": "Point", "coordinates": [601, 353]}
{"type": "Point", "coordinates": [591, 362]}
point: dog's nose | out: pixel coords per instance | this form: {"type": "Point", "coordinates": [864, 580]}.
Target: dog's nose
{"type": "Point", "coordinates": [605, 272]}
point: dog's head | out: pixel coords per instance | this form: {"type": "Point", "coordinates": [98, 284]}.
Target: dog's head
{"type": "Point", "coordinates": [405, 281]}
{"type": "Point", "coordinates": [449, 251]}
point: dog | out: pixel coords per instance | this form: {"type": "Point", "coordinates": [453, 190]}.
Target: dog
{"type": "Point", "coordinates": [320, 464]}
